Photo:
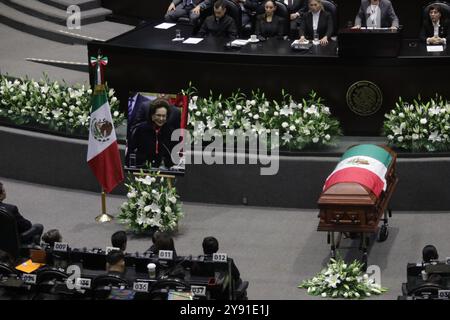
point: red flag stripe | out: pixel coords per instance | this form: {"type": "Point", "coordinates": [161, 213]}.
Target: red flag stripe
{"type": "Point", "coordinates": [359, 175]}
{"type": "Point", "coordinates": [107, 167]}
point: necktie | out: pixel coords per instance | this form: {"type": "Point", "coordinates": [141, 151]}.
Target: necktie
{"type": "Point", "coordinates": [130, 106]}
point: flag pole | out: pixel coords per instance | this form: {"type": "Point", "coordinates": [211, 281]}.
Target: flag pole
{"type": "Point", "coordinates": [104, 217]}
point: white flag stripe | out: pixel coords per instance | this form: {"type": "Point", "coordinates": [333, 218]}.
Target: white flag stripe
{"type": "Point", "coordinates": [95, 146]}
{"type": "Point", "coordinates": [375, 166]}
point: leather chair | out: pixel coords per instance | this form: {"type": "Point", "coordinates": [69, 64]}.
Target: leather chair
{"type": "Point", "coordinates": [103, 284]}
{"type": "Point", "coordinates": [234, 11]}
{"type": "Point", "coordinates": [160, 289]}
{"type": "Point", "coordinates": [6, 270]}
{"type": "Point", "coordinates": [331, 7]}
{"type": "Point", "coordinates": [9, 235]}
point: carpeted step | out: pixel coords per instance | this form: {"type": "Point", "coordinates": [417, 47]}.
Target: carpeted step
{"type": "Point", "coordinates": [42, 28]}
{"type": "Point", "coordinates": [64, 4]}
{"type": "Point", "coordinates": [50, 13]}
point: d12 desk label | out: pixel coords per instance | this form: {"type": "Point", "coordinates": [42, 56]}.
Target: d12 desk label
{"type": "Point", "coordinates": [29, 278]}
{"type": "Point", "coordinates": [198, 291]}
{"type": "Point", "coordinates": [220, 257]}
{"type": "Point", "coordinates": [444, 294]}
{"type": "Point", "coordinates": [140, 286]}
{"type": "Point", "coordinates": [166, 254]}
{"type": "Point", "coordinates": [83, 283]}
{"type": "Point", "coordinates": [61, 246]}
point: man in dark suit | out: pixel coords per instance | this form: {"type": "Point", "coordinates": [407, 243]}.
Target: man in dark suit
{"type": "Point", "coordinates": [138, 106]}
{"type": "Point", "coordinates": [219, 24]}
{"type": "Point", "coordinates": [376, 13]}
{"type": "Point", "coordinates": [316, 19]}
{"type": "Point", "coordinates": [28, 232]}
{"type": "Point", "coordinates": [297, 9]}
{"type": "Point", "coordinates": [248, 9]}
{"type": "Point", "coordinates": [186, 8]}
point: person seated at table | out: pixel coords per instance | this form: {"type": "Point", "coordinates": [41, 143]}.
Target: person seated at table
{"type": "Point", "coordinates": [248, 7]}
{"type": "Point", "coordinates": [29, 232]}
{"type": "Point", "coordinates": [151, 141]}
{"type": "Point", "coordinates": [435, 26]}
{"type": "Point", "coordinates": [219, 24]}
{"type": "Point", "coordinates": [186, 8]}
{"type": "Point", "coordinates": [210, 246]}
{"type": "Point", "coordinates": [376, 14]}
{"type": "Point", "coordinates": [297, 9]}
{"type": "Point", "coordinates": [268, 24]}
{"type": "Point", "coordinates": [52, 236]}
{"type": "Point", "coordinates": [115, 263]}
{"type": "Point", "coordinates": [119, 240]}
{"type": "Point", "coordinates": [163, 241]}
{"type": "Point", "coordinates": [316, 20]}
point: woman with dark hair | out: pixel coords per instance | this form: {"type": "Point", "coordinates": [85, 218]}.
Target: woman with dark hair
{"type": "Point", "coordinates": [151, 141]}
{"type": "Point", "coordinates": [435, 26]}
{"type": "Point", "coordinates": [317, 20]}
{"type": "Point", "coordinates": [268, 24]}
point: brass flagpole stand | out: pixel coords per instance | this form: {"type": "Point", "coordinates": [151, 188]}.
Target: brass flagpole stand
{"type": "Point", "coordinates": [104, 217]}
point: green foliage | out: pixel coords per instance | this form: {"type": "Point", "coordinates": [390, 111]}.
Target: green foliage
{"type": "Point", "coordinates": [152, 203]}
{"type": "Point", "coordinates": [308, 123]}
{"type": "Point", "coordinates": [420, 125]}
{"type": "Point", "coordinates": [341, 280]}
{"type": "Point", "coordinates": [49, 104]}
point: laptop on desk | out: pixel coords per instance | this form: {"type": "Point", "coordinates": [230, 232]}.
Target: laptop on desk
{"type": "Point", "coordinates": [369, 42]}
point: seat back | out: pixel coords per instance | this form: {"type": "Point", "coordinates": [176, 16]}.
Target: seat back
{"type": "Point", "coordinates": [108, 280]}
{"type": "Point", "coordinates": [234, 11]}
{"type": "Point", "coordinates": [9, 235]}
{"type": "Point", "coordinates": [283, 12]}
{"type": "Point", "coordinates": [331, 7]}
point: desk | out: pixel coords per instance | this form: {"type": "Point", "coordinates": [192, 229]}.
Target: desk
{"type": "Point", "coordinates": [145, 59]}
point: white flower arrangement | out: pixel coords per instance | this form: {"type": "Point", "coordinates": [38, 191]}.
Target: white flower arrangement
{"type": "Point", "coordinates": [307, 123]}
{"type": "Point", "coordinates": [419, 126]}
{"type": "Point", "coordinates": [49, 104]}
{"type": "Point", "coordinates": [342, 280]}
{"type": "Point", "coordinates": [152, 204]}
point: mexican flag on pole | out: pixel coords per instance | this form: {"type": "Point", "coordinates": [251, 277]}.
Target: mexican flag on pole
{"type": "Point", "coordinates": [365, 164]}
{"type": "Point", "coordinates": [103, 152]}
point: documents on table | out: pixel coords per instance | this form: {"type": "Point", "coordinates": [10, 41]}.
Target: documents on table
{"type": "Point", "coordinates": [239, 42]}
{"type": "Point", "coordinates": [435, 48]}
{"type": "Point", "coordinates": [192, 40]}
{"type": "Point", "coordinates": [165, 25]}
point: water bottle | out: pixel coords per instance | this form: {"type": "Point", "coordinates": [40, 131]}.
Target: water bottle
{"type": "Point", "coordinates": [316, 40]}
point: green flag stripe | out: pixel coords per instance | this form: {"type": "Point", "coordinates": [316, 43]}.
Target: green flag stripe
{"type": "Point", "coordinates": [369, 150]}
{"type": "Point", "coordinates": [98, 99]}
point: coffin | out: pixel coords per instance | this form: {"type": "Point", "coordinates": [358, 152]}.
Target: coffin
{"type": "Point", "coordinates": [354, 199]}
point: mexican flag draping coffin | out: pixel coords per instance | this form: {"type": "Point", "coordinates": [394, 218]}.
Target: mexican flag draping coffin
{"type": "Point", "coordinates": [357, 192]}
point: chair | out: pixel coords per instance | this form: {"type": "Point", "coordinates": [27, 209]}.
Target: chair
{"type": "Point", "coordinates": [9, 235]}
{"type": "Point", "coordinates": [234, 11]}
{"type": "Point", "coordinates": [6, 270]}
{"type": "Point", "coordinates": [103, 284]}
{"type": "Point", "coordinates": [445, 7]}
{"type": "Point", "coordinates": [331, 7]}
{"type": "Point", "coordinates": [48, 278]}
{"type": "Point", "coordinates": [283, 12]}
{"type": "Point", "coordinates": [160, 289]}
